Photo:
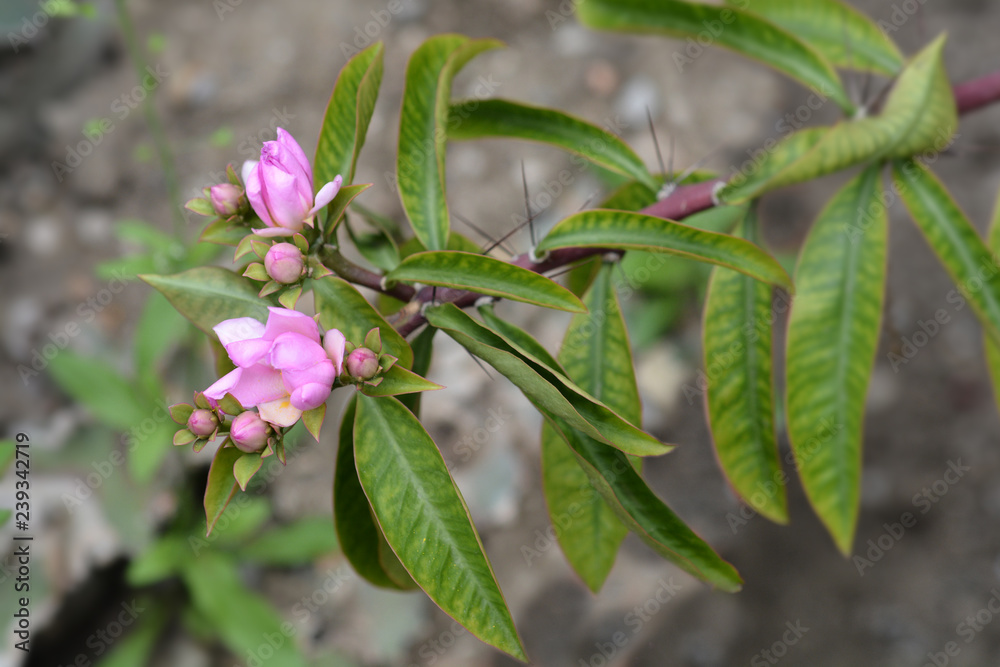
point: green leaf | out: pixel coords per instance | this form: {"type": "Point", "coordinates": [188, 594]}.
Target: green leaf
{"type": "Point", "coordinates": [347, 116]}
{"type": "Point", "coordinates": [832, 339]}
{"type": "Point", "coordinates": [397, 380]}
{"type": "Point", "coordinates": [740, 391]}
{"type": "Point", "coordinates": [423, 125]}
{"type": "Point", "coordinates": [100, 388]}
{"type": "Point", "coordinates": [159, 329]}
{"type": "Point", "coordinates": [296, 543]}
{"type": "Point", "coordinates": [953, 238]}
{"type": "Point", "coordinates": [543, 386]}
{"type": "Point", "coordinates": [480, 119]}
{"type": "Point", "coordinates": [601, 228]}
{"type": "Point", "coordinates": [221, 232]}
{"type": "Point", "coordinates": [518, 336]}
{"type": "Point", "coordinates": [841, 34]}
{"type": "Point", "coordinates": [426, 521]}
{"type": "Point", "coordinates": [163, 559]}
{"type": "Point", "coordinates": [136, 648]}
{"type": "Point", "coordinates": [423, 352]}
{"type": "Point", "coordinates": [485, 275]}
{"type": "Point", "coordinates": [221, 484]}
{"type": "Point", "coordinates": [597, 355]}
{"type": "Point", "coordinates": [360, 537]}
{"type": "Point", "coordinates": [209, 295]}
{"type": "Point", "coordinates": [336, 209]}
{"type": "Point", "coordinates": [919, 116]}
{"type": "Point", "coordinates": [245, 468]}
{"type": "Point", "coordinates": [244, 620]}
{"type": "Point", "coordinates": [992, 347]}
{"type": "Point", "coordinates": [341, 306]}
{"type": "Point", "coordinates": [735, 29]}
{"type": "Point", "coordinates": [377, 247]}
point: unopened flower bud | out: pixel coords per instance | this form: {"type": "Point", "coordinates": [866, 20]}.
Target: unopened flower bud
{"type": "Point", "coordinates": [362, 364]}
{"type": "Point", "coordinates": [284, 263]}
{"type": "Point", "coordinates": [249, 432]}
{"type": "Point", "coordinates": [202, 423]}
{"type": "Point", "coordinates": [227, 199]}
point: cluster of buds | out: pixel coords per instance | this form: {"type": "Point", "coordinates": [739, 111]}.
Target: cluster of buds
{"type": "Point", "coordinates": [225, 201]}
{"type": "Point", "coordinates": [204, 422]}
{"type": "Point", "coordinates": [366, 364]}
{"type": "Point", "coordinates": [283, 267]}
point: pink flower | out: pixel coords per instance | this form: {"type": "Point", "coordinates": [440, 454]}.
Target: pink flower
{"type": "Point", "coordinates": [362, 364]}
{"type": "Point", "coordinates": [249, 432]}
{"type": "Point", "coordinates": [281, 367]}
{"type": "Point", "coordinates": [280, 187]}
{"type": "Point", "coordinates": [227, 199]}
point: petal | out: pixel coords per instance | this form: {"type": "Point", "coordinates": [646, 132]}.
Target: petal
{"type": "Point", "coordinates": [310, 396]}
{"type": "Point", "coordinates": [258, 384]}
{"type": "Point", "coordinates": [293, 351]}
{"type": "Point", "coordinates": [282, 195]}
{"type": "Point", "coordinates": [255, 192]}
{"type": "Point", "coordinates": [335, 343]}
{"type": "Point", "coordinates": [279, 412]}
{"type": "Point", "coordinates": [326, 194]}
{"type": "Point", "coordinates": [240, 328]}
{"type": "Point", "coordinates": [274, 231]}
{"type": "Point", "coordinates": [246, 353]}
{"type": "Point", "coordinates": [282, 320]}
{"type": "Point", "coordinates": [321, 373]}
{"type": "Point", "coordinates": [246, 169]}
{"type": "Point", "coordinates": [288, 142]}
{"type": "Point", "coordinates": [224, 384]}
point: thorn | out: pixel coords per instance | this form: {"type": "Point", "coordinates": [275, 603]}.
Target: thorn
{"type": "Point", "coordinates": [482, 232]}
{"type": "Point", "coordinates": [587, 201]}
{"type": "Point", "coordinates": [527, 206]}
{"type": "Point", "coordinates": [505, 237]}
{"type": "Point", "coordinates": [480, 364]}
{"type": "Point", "coordinates": [656, 143]}
{"type": "Point", "coordinates": [434, 295]}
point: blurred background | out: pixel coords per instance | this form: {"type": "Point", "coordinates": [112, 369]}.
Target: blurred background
{"type": "Point", "coordinates": [90, 186]}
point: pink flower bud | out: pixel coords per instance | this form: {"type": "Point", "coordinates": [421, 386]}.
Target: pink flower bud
{"type": "Point", "coordinates": [334, 343]}
{"type": "Point", "coordinates": [284, 263]}
{"type": "Point", "coordinates": [227, 199]}
{"type": "Point", "coordinates": [249, 432]}
{"type": "Point", "coordinates": [202, 423]}
{"type": "Point", "coordinates": [362, 364]}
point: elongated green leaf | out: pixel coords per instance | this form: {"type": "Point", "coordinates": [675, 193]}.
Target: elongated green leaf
{"type": "Point", "coordinates": [423, 125]}
{"type": "Point", "coordinates": [357, 531]}
{"type": "Point", "coordinates": [293, 544]}
{"type": "Point", "coordinates": [159, 327]}
{"type": "Point", "coordinates": [597, 355]}
{"type": "Point", "coordinates": [840, 33]}
{"type": "Point", "coordinates": [832, 338]}
{"type": "Point", "coordinates": [740, 392]}
{"type": "Point", "coordinates": [734, 29]}
{"type": "Point", "coordinates": [423, 353]}
{"type": "Point", "coordinates": [397, 380]}
{"type": "Point", "coordinates": [100, 388]}
{"type": "Point", "coordinates": [601, 228]}
{"type": "Point", "coordinates": [336, 209]}
{"type": "Point", "coordinates": [341, 306]}
{"type": "Point", "coordinates": [953, 238]}
{"type": "Point", "coordinates": [919, 116]}
{"type": "Point", "coordinates": [992, 347]}
{"type": "Point", "coordinates": [209, 295]}
{"type": "Point", "coordinates": [244, 620]}
{"type": "Point", "coordinates": [543, 386]}
{"type": "Point", "coordinates": [520, 337]}
{"type": "Point", "coordinates": [426, 521]}
{"type": "Point", "coordinates": [480, 119]}
{"type": "Point", "coordinates": [221, 484]}
{"type": "Point", "coordinates": [377, 247]}
{"type": "Point", "coordinates": [647, 516]}
{"type": "Point", "coordinates": [486, 275]}
{"type": "Point", "coordinates": [348, 114]}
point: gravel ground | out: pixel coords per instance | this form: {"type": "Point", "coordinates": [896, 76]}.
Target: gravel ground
{"type": "Point", "coordinates": [250, 66]}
